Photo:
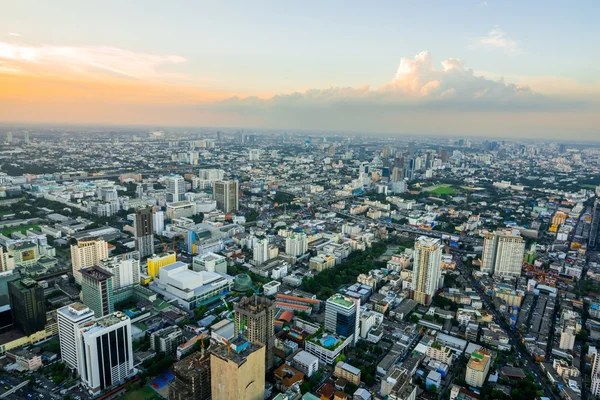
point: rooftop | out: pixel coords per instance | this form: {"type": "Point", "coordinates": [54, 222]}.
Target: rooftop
{"type": "Point", "coordinates": [341, 301]}
{"type": "Point", "coordinates": [96, 273]}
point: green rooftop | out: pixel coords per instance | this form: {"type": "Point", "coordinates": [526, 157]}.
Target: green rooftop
{"type": "Point", "coordinates": [340, 300]}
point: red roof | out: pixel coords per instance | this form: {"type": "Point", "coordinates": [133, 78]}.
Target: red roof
{"type": "Point", "coordinates": [300, 299]}
{"type": "Point", "coordinates": [287, 316]}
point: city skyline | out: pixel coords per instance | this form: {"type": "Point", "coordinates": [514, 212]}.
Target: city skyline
{"type": "Point", "coordinates": [477, 68]}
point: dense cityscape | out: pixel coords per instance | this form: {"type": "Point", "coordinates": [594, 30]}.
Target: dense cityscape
{"type": "Point", "coordinates": [205, 263]}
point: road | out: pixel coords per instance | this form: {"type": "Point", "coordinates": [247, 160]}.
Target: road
{"type": "Point", "coordinates": [14, 389]}
{"type": "Point", "coordinates": [533, 366]}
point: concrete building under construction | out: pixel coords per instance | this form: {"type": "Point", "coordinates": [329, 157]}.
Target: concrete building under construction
{"type": "Point", "coordinates": [255, 316]}
{"type": "Point", "coordinates": [238, 371]}
{"type": "Point", "coordinates": [192, 378]}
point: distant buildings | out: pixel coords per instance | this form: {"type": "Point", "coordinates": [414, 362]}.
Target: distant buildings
{"type": "Point", "coordinates": [503, 253]}
{"type": "Point", "coordinates": [227, 195]}
{"type": "Point", "coordinates": [27, 305]}
{"type": "Point", "coordinates": [426, 269]}
{"type": "Point", "coordinates": [144, 232]}
{"type": "Point", "coordinates": [342, 316]}
{"type": "Point", "coordinates": [87, 253]}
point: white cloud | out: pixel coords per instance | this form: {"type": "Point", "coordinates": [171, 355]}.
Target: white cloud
{"type": "Point", "coordinates": [14, 34]}
{"type": "Point", "coordinates": [89, 61]}
{"type": "Point", "coordinates": [497, 39]}
{"type": "Point", "coordinates": [418, 84]}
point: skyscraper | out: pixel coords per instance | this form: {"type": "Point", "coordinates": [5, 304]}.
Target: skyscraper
{"type": "Point", "coordinates": [7, 262]}
{"type": "Point", "coordinates": [192, 378]}
{"type": "Point", "coordinates": [106, 349]}
{"type": "Point", "coordinates": [27, 305]}
{"type": "Point", "coordinates": [238, 371]}
{"type": "Point", "coordinates": [69, 318]}
{"type": "Point", "coordinates": [158, 222]}
{"type": "Point", "coordinates": [257, 315]}
{"type": "Point", "coordinates": [426, 269]}
{"type": "Point", "coordinates": [175, 188]}
{"type": "Point", "coordinates": [260, 253]}
{"type": "Point", "coordinates": [595, 373]}
{"type": "Point", "coordinates": [296, 244]}
{"type": "Point", "coordinates": [342, 316]}
{"type": "Point", "coordinates": [227, 195]}
{"type": "Point", "coordinates": [503, 253]}
{"type": "Point", "coordinates": [87, 253]}
{"type": "Point", "coordinates": [97, 290]}
{"type": "Point", "coordinates": [144, 232]}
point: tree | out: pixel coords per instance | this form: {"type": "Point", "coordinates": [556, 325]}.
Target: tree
{"type": "Point", "coordinates": [305, 388]}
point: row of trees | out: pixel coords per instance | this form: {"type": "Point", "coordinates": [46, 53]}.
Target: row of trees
{"type": "Point", "coordinates": [327, 282]}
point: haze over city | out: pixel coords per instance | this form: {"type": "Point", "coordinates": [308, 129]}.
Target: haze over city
{"type": "Point", "coordinates": [485, 68]}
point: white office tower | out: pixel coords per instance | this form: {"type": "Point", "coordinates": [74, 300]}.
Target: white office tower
{"type": "Point", "coordinates": [364, 174]}
{"type": "Point", "coordinates": [226, 194]}
{"type": "Point", "coordinates": [69, 318]}
{"type": "Point", "coordinates": [254, 154]}
{"type": "Point", "coordinates": [260, 254]}
{"type": "Point", "coordinates": [105, 348]}
{"type": "Point", "coordinates": [503, 253]}
{"type": "Point", "coordinates": [125, 269]}
{"type": "Point", "coordinates": [342, 316]}
{"type": "Point", "coordinates": [87, 253]}
{"type": "Point", "coordinates": [296, 244]}
{"type": "Point", "coordinates": [595, 361]}
{"type": "Point", "coordinates": [175, 188]}
{"type": "Point", "coordinates": [158, 222]}
{"type": "Point", "coordinates": [426, 269]}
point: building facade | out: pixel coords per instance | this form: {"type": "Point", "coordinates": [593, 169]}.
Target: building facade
{"type": "Point", "coordinates": [426, 269]}
{"type": "Point", "coordinates": [87, 253]}
{"type": "Point", "coordinates": [69, 318]}
{"type": "Point", "coordinates": [144, 232]}
{"type": "Point", "coordinates": [503, 253]}
{"type": "Point", "coordinates": [342, 316]}
{"type": "Point", "coordinates": [97, 290]}
{"type": "Point", "coordinates": [227, 195]}
{"type": "Point", "coordinates": [27, 304]}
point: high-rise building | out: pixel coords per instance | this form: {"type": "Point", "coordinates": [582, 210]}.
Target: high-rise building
{"type": "Point", "coordinates": [211, 174]}
{"type": "Point", "coordinates": [503, 253]}
{"type": "Point", "coordinates": [342, 316]}
{"type": "Point", "coordinates": [87, 253]}
{"type": "Point", "coordinates": [238, 371]}
{"type": "Point", "coordinates": [166, 340]}
{"type": "Point", "coordinates": [175, 188]}
{"type": "Point", "coordinates": [256, 315]}
{"type": "Point", "coordinates": [260, 253]}
{"type": "Point", "coordinates": [478, 368]}
{"type": "Point", "coordinates": [567, 335]}
{"type": "Point", "coordinates": [191, 378]}
{"type": "Point", "coordinates": [254, 154]}
{"type": "Point", "coordinates": [69, 317]}
{"type": "Point", "coordinates": [97, 290]}
{"type": "Point", "coordinates": [144, 232]}
{"type": "Point", "coordinates": [595, 373]}
{"type": "Point", "coordinates": [125, 269]}
{"type": "Point", "coordinates": [7, 262]}
{"type": "Point", "coordinates": [27, 305]}
{"type": "Point", "coordinates": [227, 195]}
{"type": "Point", "coordinates": [426, 269]}
{"type": "Point", "coordinates": [296, 244]}
{"type": "Point", "coordinates": [9, 137]}
{"type": "Point", "coordinates": [158, 222]}
{"type": "Point", "coordinates": [105, 346]}
{"type": "Point", "coordinates": [157, 261]}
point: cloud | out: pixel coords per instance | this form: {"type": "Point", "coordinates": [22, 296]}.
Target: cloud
{"type": "Point", "coordinates": [497, 39]}
{"type": "Point", "coordinates": [13, 34]}
{"type": "Point", "coordinates": [93, 61]}
{"type": "Point", "coordinates": [417, 85]}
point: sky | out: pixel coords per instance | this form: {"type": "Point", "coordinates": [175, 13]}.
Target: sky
{"type": "Point", "coordinates": [490, 68]}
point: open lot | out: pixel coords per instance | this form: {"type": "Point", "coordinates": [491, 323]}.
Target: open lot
{"type": "Point", "coordinates": [441, 189]}
{"type": "Point", "coordinates": [143, 393]}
